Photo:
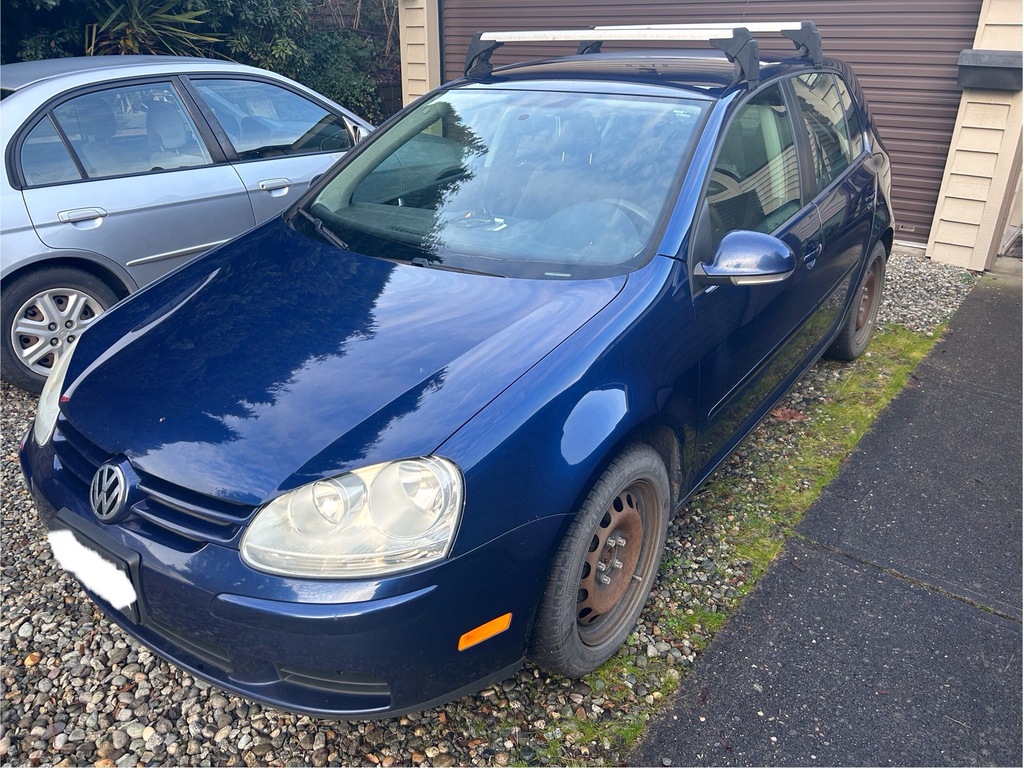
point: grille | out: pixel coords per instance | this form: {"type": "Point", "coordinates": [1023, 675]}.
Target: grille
{"type": "Point", "coordinates": [165, 508]}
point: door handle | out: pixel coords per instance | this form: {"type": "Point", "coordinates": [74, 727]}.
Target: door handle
{"type": "Point", "coordinates": [76, 215]}
{"type": "Point", "coordinates": [811, 253]}
{"type": "Point", "coordinates": [276, 185]}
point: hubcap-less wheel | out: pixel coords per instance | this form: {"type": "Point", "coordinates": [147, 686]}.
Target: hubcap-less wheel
{"type": "Point", "coordinates": [861, 316]}
{"type": "Point", "coordinates": [605, 565]}
{"type": "Point", "coordinates": [49, 323]}
{"type": "Point", "coordinates": [608, 569]}
{"type": "Point", "coordinates": [867, 309]}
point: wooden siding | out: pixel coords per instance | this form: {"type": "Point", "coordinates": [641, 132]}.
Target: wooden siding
{"type": "Point", "coordinates": [983, 168]}
{"type": "Point", "coordinates": [421, 67]}
{"type": "Point", "coordinates": [905, 55]}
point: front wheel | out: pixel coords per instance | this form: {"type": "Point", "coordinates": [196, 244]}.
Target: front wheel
{"type": "Point", "coordinates": [604, 567]}
{"type": "Point", "coordinates": [43, 314]}
{"type": "Point", "coordinates": [863, 313]}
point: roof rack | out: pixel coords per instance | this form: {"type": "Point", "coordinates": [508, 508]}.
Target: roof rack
{"type": "Point", "coordinates": [741, 48]}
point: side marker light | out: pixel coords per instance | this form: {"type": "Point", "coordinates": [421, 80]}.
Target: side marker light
{"type": "Point", "coordinates": [485, 631]}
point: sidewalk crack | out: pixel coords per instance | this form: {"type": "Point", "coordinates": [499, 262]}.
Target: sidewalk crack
{"type": "Point", "coordinates": [906, 578]}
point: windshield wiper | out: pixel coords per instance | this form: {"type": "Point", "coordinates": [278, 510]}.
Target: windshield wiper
{"type": "Point", "coordinates": [323, 231]}
{"type": "Point", "coordinates": [422, 262]}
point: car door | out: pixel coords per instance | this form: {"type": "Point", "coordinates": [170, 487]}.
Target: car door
{"type": "Point", "coordinates": [280, 139]}
{"type": "Point", "coordinates": [135, 182]}
{"type": "Point", "coordinates": [752, 337]}
{"type": "Point", "coordinates": [843, 190]}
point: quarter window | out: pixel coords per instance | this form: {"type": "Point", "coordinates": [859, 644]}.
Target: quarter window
{"type": "Point", "coordinates": [131, 130]}
{"type": "Point", "coordinates": [755, 184]}
{"type": "Point", "coordinates": [825, 120]}
{"type": "Point", "coordinates": [265, 120]}
{"type": "Point", "coordinates": [45, 158]}
{"type": "Point", "coordinates": [853, 123]}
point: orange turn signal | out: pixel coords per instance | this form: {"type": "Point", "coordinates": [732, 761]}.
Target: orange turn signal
{"type": "Point", "coordinates": [485, 631]}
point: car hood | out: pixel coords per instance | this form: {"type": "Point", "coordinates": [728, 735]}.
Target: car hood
{"type": "Point", "coordinates": [279, 359]}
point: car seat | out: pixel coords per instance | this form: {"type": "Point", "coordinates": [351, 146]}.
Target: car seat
{"type": "Point", "coordinates": [166, 129]}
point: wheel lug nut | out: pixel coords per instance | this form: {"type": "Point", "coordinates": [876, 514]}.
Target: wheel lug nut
{"type": "Point", "coordinates": [69, 324]}
{"type": "Point", "coordinates": [71, 339]}
{"type": "Point", "coordinates": [52, 326]}
{"type": "Point", "coordinates": [602, 567]}
{"type": "Point", "coordinates": [620, 542]}
{"type": "Point", "coordinates": [54, 342]}
{"type": "Point", "coordinates": [616, 564]}
{"type": "Point", "coordinates": [604, 579]}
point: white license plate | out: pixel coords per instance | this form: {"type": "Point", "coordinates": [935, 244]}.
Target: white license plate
{"type": "Point", "coordinates": [97, 572]}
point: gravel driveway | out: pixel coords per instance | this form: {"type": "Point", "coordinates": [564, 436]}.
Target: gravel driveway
{"type": "Point", "coordinates": [76, 691]}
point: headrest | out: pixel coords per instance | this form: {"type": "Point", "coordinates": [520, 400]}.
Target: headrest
{"type": "Point", "coordinates": [163, 122]}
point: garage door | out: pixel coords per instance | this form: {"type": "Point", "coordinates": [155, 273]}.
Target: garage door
{"type": "Point", "coordinates": [904, 53]}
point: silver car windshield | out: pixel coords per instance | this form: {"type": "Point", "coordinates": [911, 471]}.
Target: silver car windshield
{"type": "Point", "coordinates": [515, 183]}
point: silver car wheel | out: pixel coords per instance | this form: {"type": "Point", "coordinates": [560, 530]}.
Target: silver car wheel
{"type": "Point", "coordinates": [49, 323]}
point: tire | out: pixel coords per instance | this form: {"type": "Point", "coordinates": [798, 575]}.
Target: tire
{"type": "Point", "coordinates": [863, 313]}
{"type": "Point", "coordinates": [590, 604]}
{"type": "Point", "coordinates": [43, 314]}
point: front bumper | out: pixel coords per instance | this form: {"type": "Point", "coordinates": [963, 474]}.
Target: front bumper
{"type": "Point", "coordinates": [344, 649]}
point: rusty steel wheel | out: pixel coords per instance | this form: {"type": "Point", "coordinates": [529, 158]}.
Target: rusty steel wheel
{"type": "Point", "coordinates": [604, 568]}
{"type": "Point", "coordinates": [859, 322]}
{"type": "Point", "coordinates": [867, 302]}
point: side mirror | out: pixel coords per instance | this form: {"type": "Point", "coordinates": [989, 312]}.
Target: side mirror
{"type": "Point", "coordinates": [356, 132]}
{"type": "Point", "coordinates": [748, 258]}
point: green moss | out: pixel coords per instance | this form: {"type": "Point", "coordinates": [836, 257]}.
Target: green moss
{"type": "Point", "coordinates": [760, 519]}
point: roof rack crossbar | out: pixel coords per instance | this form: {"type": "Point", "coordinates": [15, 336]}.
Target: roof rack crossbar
{"type": "Point", "coordinates": [719, 26]}
{"type": "Point", "coordinates": [741, 48]}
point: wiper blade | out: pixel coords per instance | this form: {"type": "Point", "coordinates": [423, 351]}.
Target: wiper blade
{"type": "Point", "coordinates": [323, 231]}
{"type": "Point", "coordinates": [421, 262]}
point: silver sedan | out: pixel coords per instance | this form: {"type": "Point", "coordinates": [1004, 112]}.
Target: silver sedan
{"type": "Point", "coordinates": [120, 168]}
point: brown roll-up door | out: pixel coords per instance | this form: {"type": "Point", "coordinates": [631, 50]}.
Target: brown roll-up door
{"type": "Point", "coordinates": [905, 54]}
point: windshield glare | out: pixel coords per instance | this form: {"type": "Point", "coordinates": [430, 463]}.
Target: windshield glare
{"type": "Point", "coordinates": [515, 183]}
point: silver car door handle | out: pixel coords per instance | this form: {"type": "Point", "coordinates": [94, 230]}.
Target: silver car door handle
{"type": "Point", "coordinates": [80, 214]}
{"type": "Point", "coordinates": [812, 253]}
{"type": "Point", "coordinates": [272, 185]}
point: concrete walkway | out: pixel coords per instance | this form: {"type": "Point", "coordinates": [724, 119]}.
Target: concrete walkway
{"type": "Point", "coordinates": [889, 630]}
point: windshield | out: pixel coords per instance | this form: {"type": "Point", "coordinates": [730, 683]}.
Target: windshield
{"type": "Point", "coordinates": [515, 183]}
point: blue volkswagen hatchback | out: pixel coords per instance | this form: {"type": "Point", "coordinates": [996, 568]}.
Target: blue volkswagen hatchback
{"type": "Point", "coordinates": [525, 320]}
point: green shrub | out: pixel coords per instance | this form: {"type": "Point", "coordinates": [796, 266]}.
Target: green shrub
{"type": "Point", "coordinates": [340, 63]}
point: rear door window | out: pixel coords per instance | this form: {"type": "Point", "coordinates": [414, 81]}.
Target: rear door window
{"type": "Point", "coordinates": [131, 130]}
{"type": "Point", "coordinates": [824, 118]}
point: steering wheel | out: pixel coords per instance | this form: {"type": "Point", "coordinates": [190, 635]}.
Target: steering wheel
{"type": "Point", "coordinates": [639, 215]}
{"type": "Point", "coordinates": [723, 185]}
{"type": "Point", "coordinates": [335, 142]}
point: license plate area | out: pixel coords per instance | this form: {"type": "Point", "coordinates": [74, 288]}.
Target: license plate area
{"type": "Point", "coordinates": [109, 574]}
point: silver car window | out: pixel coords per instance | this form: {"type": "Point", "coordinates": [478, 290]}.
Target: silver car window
{"type": "Point", "coordinates": [45, 158]}
{"type": "Point", "coordinates": [131, 130]}
{"type": "Point", "coordinates": [265, 120]}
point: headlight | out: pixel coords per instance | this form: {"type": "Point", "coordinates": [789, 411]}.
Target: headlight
{"type": "Point", "coordinates": [380, 519]}
{"type": "Point", "coordinates": [49, 399]}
